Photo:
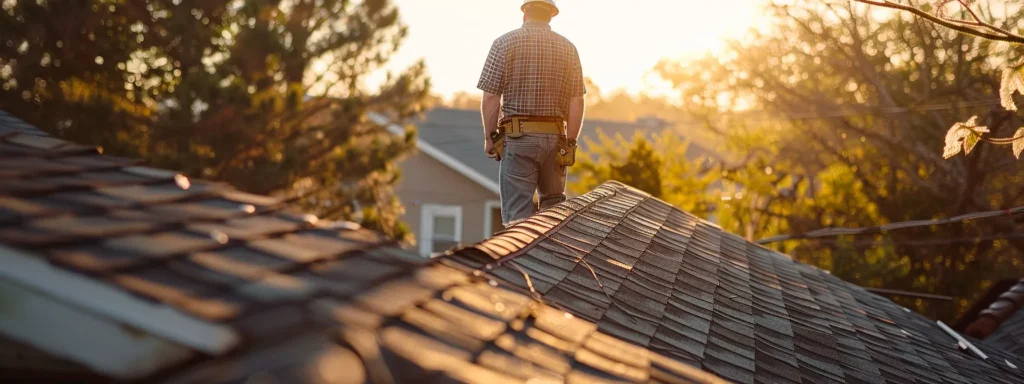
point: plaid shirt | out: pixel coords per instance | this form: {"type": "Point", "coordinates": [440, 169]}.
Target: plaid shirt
{"type": "Point", "coordinates": [535, 70]}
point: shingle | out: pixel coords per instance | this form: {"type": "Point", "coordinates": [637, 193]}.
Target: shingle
{"type": "Point", "coordinates": [563, 324]}
{"type": "Point", "coordinates": [272, 323]}
{"type": "Point", "coordinates": [285, 249]}
{"type": "Point", "coordinates": [242, 259]}
{"type": "Point", "coordinates": [246, 228]}
{"type": "Point", "coordinates": [150, 194]}
{"type": "Point", "coordinates": [540, 348]}
{"type": "Point", "coordinates": [481, 300]}
{"type": "Point", "coordinates": [611, 367]}
{"type": "Point", "coordinates": [29, 166]}
{"type": "Point", "coordinates": [22, 208]}
{"type": "Point", "coordinates": [618, 350]}
{"type": "Point", "coordinates": [162, 244]}
{"type": "Point", "coordinates": [209, 209]}
{"type": "Point", "coordinates": [37, 142]}
{"type": "Point", "coordinates": [411, 355]}
{"type": "Point", "coordinates": [277, 288]}
{"type": "Point", "coordinates": [511, 365]}
{"type": "Point", "coordinates": [163, 286]}
{"type": "Point", "coordinates": [306, 358]}
{"type": "Point", "coordinates": [394, 298]}
{"type": "Point", "coordinates": [89, 226]}
{"type": "Point", "coordinates": [345, 314]}
{"type": "Point", "coordinates": [94, 258]}
{"type": "Point", "coordinates": [92, 199]}
{"type": "Point", "coordinates": [95, 162]}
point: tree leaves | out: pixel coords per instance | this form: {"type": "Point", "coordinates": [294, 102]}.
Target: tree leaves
{"type": "Point", "coordinates": [970, 141]}
{"type": "Point", "coordinates": [963, 136]}
{"type": "Point", "coordinates": [1018, 143]}
{"type": "Point", "coordinates": [257, 93]}
{"type": "Point", "coordinates": [1013, 81]}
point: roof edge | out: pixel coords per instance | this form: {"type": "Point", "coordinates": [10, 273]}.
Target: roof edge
{"type": "Point", "coordinates": [105, 301]}
{"type": "Point", "coordinates": [438, 154]}
{"type": "Point", "coordinates": [72, 333]}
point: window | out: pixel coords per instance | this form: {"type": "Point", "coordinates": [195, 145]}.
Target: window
{"type": "Point", "coordinates": [440, 228]}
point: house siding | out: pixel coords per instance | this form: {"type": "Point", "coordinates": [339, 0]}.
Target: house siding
{"type": "Point", "coordinates": [428, 181]}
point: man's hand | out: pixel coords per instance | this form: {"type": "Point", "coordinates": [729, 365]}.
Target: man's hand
{"type": "Point", "coordinates": [489, 149]}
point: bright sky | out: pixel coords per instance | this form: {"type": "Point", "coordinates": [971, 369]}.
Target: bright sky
{"type": "Point", "coordinates": [619, 41]}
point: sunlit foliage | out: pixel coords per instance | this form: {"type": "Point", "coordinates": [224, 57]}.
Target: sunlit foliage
{"type": "Point", "coordinates": [268, 95]}
{"type": "Point", "coordinates": [851, 106]}
{"type": "Point", "coordinates": [976, 22]}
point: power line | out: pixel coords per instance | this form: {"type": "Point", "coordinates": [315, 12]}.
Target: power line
{"type": "Point", "coordinates": [872, 110]}
{"type": "Point", "coordinates": [926, 242]}
{"type": "Point", "coordinates": [893, 292]}
{"type": "Point", "coordinates": [832, 232]}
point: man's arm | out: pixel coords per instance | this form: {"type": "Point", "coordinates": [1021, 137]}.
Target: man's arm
{"type": "Point", "coordinates": [492, 82]}
{"type": "Point", "coordinates": [576, 111]}
{"type": "Point", "coordinates": [490, 105]}
{"type": "Point", "coordinates": [576, 105]}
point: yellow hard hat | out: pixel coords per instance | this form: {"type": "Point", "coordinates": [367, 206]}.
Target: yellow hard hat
{"type": "Point", "coordinates": [551, 3]}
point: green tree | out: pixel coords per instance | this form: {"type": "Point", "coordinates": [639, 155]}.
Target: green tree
{"type": "Point", "coordinates": [268, 95]}
{"type": "Point", "coordinates": [850, 109]}
{"type": "Point", "coordinates": [965, 136]}
{"type": "Point", "coordinates": [658, 166]}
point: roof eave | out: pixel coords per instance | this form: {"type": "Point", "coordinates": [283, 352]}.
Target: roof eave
{"type": "Point", "coordinates": [438, 154]}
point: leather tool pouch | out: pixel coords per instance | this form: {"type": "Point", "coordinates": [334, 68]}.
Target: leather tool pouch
{"type": "Point", "coordinates": [498, 139]}
{"type": "Point", "coordinates": [566, 156]}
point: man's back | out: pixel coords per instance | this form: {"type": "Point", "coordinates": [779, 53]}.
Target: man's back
{"type": "Point", "coordinates": [532, 75]}
{"type": "Point", "coordinates": [536, 70]}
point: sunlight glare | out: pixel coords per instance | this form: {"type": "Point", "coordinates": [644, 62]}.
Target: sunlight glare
{"type": "Point", "coordinates": [619, 42]}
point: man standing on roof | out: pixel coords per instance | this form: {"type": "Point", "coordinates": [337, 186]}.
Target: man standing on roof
{"type": "Point", "coordinates": [534, 79]}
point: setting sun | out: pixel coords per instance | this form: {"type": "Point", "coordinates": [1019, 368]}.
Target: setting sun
{"type": "Point", "coordinates": [619, 42]}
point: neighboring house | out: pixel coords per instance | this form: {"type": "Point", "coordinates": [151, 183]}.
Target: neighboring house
{"type": "Point", "coordinates": [450, 188]}
{"type": "Point", "coordinates": [115, 272]}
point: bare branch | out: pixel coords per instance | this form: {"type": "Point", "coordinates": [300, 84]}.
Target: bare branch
{"type": "Point", "coordinates": [976, 28]}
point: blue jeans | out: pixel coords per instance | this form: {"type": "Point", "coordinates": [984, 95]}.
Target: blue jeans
{"type": "Point", "coordinates": [528, 165]}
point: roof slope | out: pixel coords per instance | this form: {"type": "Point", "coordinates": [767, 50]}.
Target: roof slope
{"type": "Point", "coordinates": [457, 132]}
{"type": "Point", "coordinates": [139, 274]}
{"type": "Point", "coordinates": [646, 272]}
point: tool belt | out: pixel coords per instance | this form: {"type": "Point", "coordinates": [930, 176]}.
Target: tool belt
{"type": "Point", "coordinates": [519, 126]}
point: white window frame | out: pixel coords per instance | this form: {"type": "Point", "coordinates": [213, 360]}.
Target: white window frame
{"type": "Point", "coordinates": [488, 217]}
{"type": "Point", "coordinates": [427, 214]}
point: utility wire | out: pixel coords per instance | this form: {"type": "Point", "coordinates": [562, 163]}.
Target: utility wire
{"type": "Point", "coordinates": [869, 110]}
{"type": "Point", "coordinates": [832, 232]}
{"type": "Point", "coordinates": [893, 292]}
{"type": "Point", "coordinates": [926, 242]}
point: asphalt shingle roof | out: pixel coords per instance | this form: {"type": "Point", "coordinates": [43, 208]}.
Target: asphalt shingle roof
{"type": "Point", "coordinates": [669, 282]}
{"type": "Point", "coordinates": [610, 286]}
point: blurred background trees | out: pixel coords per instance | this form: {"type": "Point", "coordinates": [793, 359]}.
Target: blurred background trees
{"type": "Point", "coordinates": [268, 95]}
{"type": "Point", "coordinates": [833, 114]}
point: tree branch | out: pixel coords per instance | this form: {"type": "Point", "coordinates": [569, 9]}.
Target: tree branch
{"type": "Point", "coordinates": [957, 25]}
